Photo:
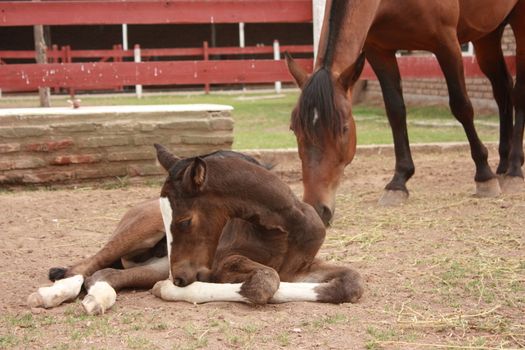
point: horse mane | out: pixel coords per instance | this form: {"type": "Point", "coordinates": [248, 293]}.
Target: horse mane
{"type": "Point", "coordinates": [316, 112]}
{"type": "Point", "coordinates": [318, 92]}
{"type": "Point", "coordinates": [178, 167]}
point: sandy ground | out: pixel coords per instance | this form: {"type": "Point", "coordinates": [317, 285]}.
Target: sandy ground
{"type": "Point", "coordinates": [446, 270]}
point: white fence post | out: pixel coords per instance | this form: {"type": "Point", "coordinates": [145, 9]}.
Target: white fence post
{"type": "Point", "coordinates": [137, 59]}
{"type": "Point", "coordinates": [277, 57]}
{"type": "Point", "coordinates": [318, 8]}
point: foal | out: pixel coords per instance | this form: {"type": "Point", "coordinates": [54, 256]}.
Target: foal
{"type": "Point", "coordinates": [228, 220]}
{"type": "Point", "coordinates": [138, 245]}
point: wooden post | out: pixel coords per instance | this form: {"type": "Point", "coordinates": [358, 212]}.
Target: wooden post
{"type": "Point", "coordinates": [40, 51]}
{"type": "Point", "coordinates": [206, 57]}
{"type": "Point", "coordinates": [318, 9]}
{"type": "Point", "coordinates": [137, 58]}
{"type": "Point", "coordinates": [277, 57]}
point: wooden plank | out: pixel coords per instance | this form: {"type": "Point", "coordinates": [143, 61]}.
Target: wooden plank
{"type": "Point", "coordinates": [24, 13]}
{"type": "Point", "coordinates": [25, 77]}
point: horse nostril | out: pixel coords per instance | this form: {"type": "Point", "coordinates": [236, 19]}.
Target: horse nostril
{"type": "Point", "coordinates": [180, 282]}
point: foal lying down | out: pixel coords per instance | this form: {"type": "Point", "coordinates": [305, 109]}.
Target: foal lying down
{"type": "Point", "coordinates": [234, 232]}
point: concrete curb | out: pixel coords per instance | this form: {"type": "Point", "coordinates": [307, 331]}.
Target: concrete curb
{"type": "Point", "coordinates": [289, 155]}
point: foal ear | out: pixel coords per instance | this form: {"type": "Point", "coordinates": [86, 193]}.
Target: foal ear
{"type": "Point", "coordinates": [195, 175]}
{"type": "Point", "coordinates": [351, 74]}
{"type": "Point", "coordinates": [166, 159]}
{"type": "Point", "coordinates": [298, 73]}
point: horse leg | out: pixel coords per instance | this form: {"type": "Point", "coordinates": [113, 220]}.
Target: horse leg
{"type": "Point", "coordinates": [139, 229]}
{"type": "Point", "coordinates": [451, 62]}
{"type": "Point", "coordinates": [385, 66]}
{"type": "Point", "coordinates": [492, 63]}
{"type": "Point", "coordinates": [103, 284]}
{"type": "Point", "coordinates": [514, 175]}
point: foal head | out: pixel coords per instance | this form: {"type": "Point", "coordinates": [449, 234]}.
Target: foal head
{"type": "Point", "coordinates": [198, 197]}
{"type": "Point", "coordinates": [325, 130]}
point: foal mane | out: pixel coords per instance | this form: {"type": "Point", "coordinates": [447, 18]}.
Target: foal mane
{"type": "Point", "coordinates": [177, 170]}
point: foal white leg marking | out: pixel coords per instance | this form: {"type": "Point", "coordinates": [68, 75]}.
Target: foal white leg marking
{"type": "Point", "coordinates": [295, 291]}
{"type": "Point", "coordinates": [62, 290]}
{"type": "Point", "coordinates": [165, 209]}
{"type": "Point", "coordinates": [203, 292]}
{"type": "Point", "coordinates": [101, 296]}
{"type": "Point", "coordinates": [199, 292]}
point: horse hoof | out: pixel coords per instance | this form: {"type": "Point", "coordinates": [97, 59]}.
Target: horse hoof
{"type": "Point", "coordinates": [488, 189]}
{"type": "Point", "coordinates": [35, 300]}
{"type": "Point", "coordinates": [512, 184]}
{"type": "Point", "coordinates": [392, 198]}
{"type": "Point", "coordinates": [101, 297]}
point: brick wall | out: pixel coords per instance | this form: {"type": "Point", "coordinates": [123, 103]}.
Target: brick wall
{"type": "Point", "coordinates": [435, 90]}
{"type": "Point", "coordinates": [74, 145]}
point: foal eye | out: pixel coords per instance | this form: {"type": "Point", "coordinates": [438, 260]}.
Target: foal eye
{"type": "Point", "coordinates": [184, 224]}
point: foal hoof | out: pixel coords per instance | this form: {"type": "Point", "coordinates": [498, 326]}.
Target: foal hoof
{"type": "Point", "coordinates": [35, 300]}
{"type": "Point", "coordinates": [101, 297]}
{"type": "Point", "coordinates": [488, 189]}
{"type": "Point", "coordinates": [512, 184]}
{"type": "Point", "coordinates": [260, 286]}
{"type": "Point", "coordinates": [392, 198]}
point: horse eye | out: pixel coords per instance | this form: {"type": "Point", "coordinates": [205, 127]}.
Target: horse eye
{"type": "Point", "coordinates": [184, 224]}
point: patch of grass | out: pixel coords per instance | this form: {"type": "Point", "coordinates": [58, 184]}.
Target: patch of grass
{"type": "Point", "coordinates": [139, 343]}
{"type": "Point", "coordinates": [262, 119]}
{"type": "Point", "coordinates": [284, 339]}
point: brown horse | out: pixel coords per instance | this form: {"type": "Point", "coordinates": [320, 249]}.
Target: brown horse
{"type": "Point", "coordinates": [229, 220]}
{"type": "Point", "coordinates": [322, 119]}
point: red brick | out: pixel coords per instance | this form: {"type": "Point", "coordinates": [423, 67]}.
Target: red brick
{"type": "Point", "coordinates": [76, 159]}
{"type": "Point", "coordinates": [9, 147]}
{"type": "Point", "coordinates": [49, 146]}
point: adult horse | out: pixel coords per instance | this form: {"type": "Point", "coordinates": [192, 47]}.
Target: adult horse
{"type": "Point", "coordinates": [323, 122]}
{"type": "Point", "coordinates": [228, 220]}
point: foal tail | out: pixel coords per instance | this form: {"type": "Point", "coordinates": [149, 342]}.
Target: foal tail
{"type": "Point", "coordinates": [57, 273]}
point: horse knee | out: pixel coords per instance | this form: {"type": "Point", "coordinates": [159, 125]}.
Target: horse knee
{"type": "Point", "coordinates": [462, 109]}
{"type": "Point", "coordinates": [260, 286]}
{"type": "Point", "coordinates": [345, 287]}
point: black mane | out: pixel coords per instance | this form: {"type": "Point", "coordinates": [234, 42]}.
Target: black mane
{"type": "Point", "coordinates": [318, 92]}
{"type": "Point", "coordinates": [317, 95]}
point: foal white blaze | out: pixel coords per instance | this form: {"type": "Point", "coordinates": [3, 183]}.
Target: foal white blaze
{"type": "Point", "coordinates": [61, 291]}
{"type": "Point", "coordinates": [165, 210]}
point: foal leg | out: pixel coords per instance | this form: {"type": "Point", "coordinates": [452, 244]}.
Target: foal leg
{"type": "Point", "coordinates": [491, 61]}
{"type": "Point", "coordinates": [103, 284]}
{"type": "Point", "coordinates": [385, 66]}
{"type": "Point", "coordinates": [140, 228]}
{"type": "Point", "coordinates": [451, 62]}
{"type": "Point", "coordinates": [334, 284]}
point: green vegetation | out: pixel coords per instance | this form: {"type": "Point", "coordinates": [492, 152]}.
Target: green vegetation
{"type": "Point", "coordinates": [262, 119]}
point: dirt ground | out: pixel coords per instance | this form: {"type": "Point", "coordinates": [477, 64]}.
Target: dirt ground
{"type": "Point", "coordinates": [446, 270]}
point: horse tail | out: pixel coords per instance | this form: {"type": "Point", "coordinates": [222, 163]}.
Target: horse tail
{"type": "Point", "coordinates": [57, 273]}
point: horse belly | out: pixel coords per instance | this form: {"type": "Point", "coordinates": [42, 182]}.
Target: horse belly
{"type": "Point", "coordinates": [480, 17]}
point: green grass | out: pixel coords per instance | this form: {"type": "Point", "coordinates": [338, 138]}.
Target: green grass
{"type": "Point", "coordinates": [262, 119]}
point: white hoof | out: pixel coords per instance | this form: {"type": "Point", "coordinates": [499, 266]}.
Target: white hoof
{"type": "Point", "coordinates": [393, 198]}
{"type": "Point", "coordinates": [164, 290]}
{"type": "Point", "coordinates": [100, 298]}
{"type": "Point", "coordinates": [61, 291]}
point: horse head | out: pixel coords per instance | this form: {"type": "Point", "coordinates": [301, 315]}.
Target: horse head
{"type": "Point", "coordinates": [324, 126]}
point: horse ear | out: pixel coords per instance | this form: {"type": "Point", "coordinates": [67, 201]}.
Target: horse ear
{"type": "Point", "coordinates": [298, 73]}
{"type": "Point", "coordinates": [195, 175]}
{"type": "Point", "coordinates": [351, 74]}
{"type": "Point", "coordinates": [166, 159]}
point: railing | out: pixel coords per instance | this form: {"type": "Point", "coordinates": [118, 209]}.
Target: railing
{"type": "Point", "coordinates": [112, 69]}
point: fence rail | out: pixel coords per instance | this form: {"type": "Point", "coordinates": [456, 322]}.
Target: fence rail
{"type": "Point", "coordinates": [60, 12]}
